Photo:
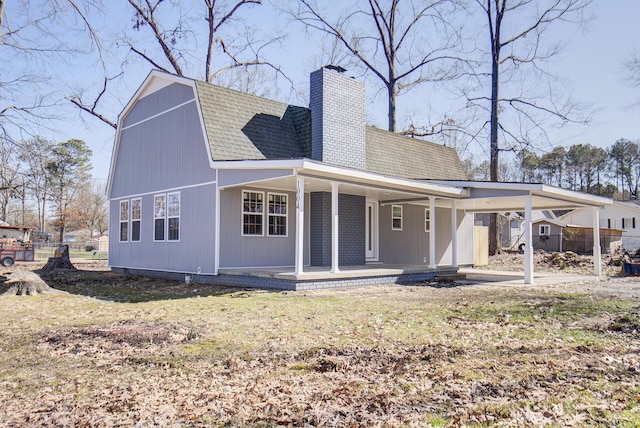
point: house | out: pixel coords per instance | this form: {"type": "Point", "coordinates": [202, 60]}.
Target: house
{"type": "Point", "coordinates": [550, 234]}
{"type": "Point", "coordinates": [225, 187]}
{"type": "Point", "coordinates": [620, 215]}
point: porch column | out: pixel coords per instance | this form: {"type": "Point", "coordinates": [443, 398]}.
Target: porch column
{"type": "Point", "coordinates": [454, 233]}
{"type": "Point", "coordinates": [216, 256]}
{"type": "Point", "coordinates": [299, 255]}
{"type": "Point", "coordinates": [432, 233]}
{"type": "Point", "coordinates": [334, 228]}
{"type": "Point", "coordinates": [597, 254]}
{"type": "Point", "coordinates": [528, 247]}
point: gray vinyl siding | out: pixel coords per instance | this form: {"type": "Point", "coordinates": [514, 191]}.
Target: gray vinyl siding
{"type": "Point", "coordinates": [257, 251]}
{"type": "Point", "coordinates": [165, 152]}
{"type": "Point", "coordinates": [157, 102]}
{"type": "Point", "coordinates": [411, 244]}
{"type": "Point", "coordinates": [194, 250]}
{"type": "Point", "coordinates": [233, 177]}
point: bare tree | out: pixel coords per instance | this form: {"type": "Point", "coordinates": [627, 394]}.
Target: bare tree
{"type": "Point", "coordinates": [515, 30]}
{"type": "Point", "coordinates": [36, 154]}
{"type": "Point", "coordinates": [402, 45]}
{"type": "Point", "coordinates": [179, 30]}
{"type": "Point", "coordinates": [91, 208]}
{"type": "Point", "coordinates": [10, 178]}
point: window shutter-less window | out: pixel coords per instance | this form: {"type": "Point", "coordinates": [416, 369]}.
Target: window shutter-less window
{"type": "Point", "coordinates": [633, 222]}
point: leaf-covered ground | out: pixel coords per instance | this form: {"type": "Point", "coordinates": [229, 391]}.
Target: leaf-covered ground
{"type": "Point", "coordinates": [480, 355]}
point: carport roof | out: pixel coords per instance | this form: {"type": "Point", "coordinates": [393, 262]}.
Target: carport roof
{"type": "Point", "coordinates": [492, 196]}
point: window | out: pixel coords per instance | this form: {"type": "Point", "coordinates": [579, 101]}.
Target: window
{"type": "Point", "coordinates": [173, 216]}
{"type": "Point", "coordinates": [277, 219]}
{"type": "Point", "coordinates": [427, 220]}
{"type": "Point", "coordinates": [396, 217]}
{"type": "Point", "coordinates": [124, 221]}
{"type": "Point", "coordinates": [545, 229]}
{"type": "Point", "coordinates": [252, 213]}
{"type": "Point", "coordinates": [159, 212]}
{"type": "Point", "coordinates": [136, 218]}
{"type": "Point", "coordinates": [629, 223]}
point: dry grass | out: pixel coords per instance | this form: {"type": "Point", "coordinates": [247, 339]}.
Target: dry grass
{"type": "Point", "coordinates": [375, 356]}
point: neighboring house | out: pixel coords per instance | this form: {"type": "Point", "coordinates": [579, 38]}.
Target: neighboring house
{"type": "Point", "coordinates": [557, 235]}
{"type": "Point", "coordinates": [99, 243]}
{"type": "Point", "coordinates": [231, 188]}
{"type": "Point", "coordinates": [620, 215]}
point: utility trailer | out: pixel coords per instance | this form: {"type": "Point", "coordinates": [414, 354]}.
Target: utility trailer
{"type": "Point", "coordinates": [11, 252]}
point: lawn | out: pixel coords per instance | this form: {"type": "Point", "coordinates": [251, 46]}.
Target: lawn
{"type": "Point", "coordinates": [376, 356]}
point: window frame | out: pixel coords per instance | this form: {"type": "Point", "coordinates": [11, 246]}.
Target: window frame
{"type": "Point", "coordinates": [124, 221]}
{"type": "Point", "coordinates": [261, 214]}
{"type": "Point", "coordinates": [162, 217]}
{"type": "Point", "coordinates": [394, 217]}
{"type": "Point", "coordinates": [546, 227]}
{"type": "Point", "coordinates": [136, 220]}
{"type": "Point", "coordinates": [172, 216]}
{"type": "Point", "coordinates": [427, 220]}
{"type": "Point", "coordinates": [276, 215]}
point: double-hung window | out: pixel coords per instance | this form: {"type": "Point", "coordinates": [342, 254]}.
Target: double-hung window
{"type": "Point", "coordinates": [427, 220]}
{"type": "Point", "coordinates": [277, 214]}
{"type": "Point", "coordinates": [136, 219]}
{"type": "Point", "coordinates": [545, 229]}
{"type": "Point", "coordinates": [396, 217]}
{"type": "Point", "coordinates": [159, 213]}
{"type": "Point", "coordinates": [166, 217]}
{"type": "Point", "coordinates": [124, 221]}
{"type": "Point", "coordinates": [173, 216]}
{"type": "Point", "coordinates": [252, 213]}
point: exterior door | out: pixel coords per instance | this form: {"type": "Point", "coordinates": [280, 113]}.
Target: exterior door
{"type": "Point", "coordinates": [371, 231]}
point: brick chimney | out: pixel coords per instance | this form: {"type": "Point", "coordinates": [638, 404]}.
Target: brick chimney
{"type": "Point", "coordinates": [337, 118]}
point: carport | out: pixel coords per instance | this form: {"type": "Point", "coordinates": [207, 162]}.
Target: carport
{"type": "Point", "coordinates": [495, 197]}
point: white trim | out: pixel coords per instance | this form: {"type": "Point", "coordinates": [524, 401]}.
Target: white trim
{"type": "Point", "coordinates": [334, 228]}
{"type": "Point", "coordinates": [395, 218]}
{"type": "Point", "coordinates": [432, 235]}
{"type": "Point", "coordinates": [334, 173]}
{"type": "Point", "coordinates": [169, 217]}
{"type": "Point", "coordinates": [169, 190]}
{"type": "Point", "coordinates": [372, 229]}
{"type": "Point", "coordinates": [146, 119]}
{"type": "Point", "coordinates": [454, 233]}
{"type": "Point", "coordinates": [163, 218]}
{"type": "Point", "coordinates": [126, 221]}
{"type": "Point", "coordinates": [528, 241]}
{"type": "Point", "coordinates": [139, 220]}
{"type": "Point", "coordinates": [427, 210]}
{"type": "Point", "coordinates": [286, 215]}
{"type": "Point", "coordinates": [242, 213]}
{"type": "Point", "coordinates": [546, 227]}
{"type": "Point", "coordinates": [597, 251]}
{"type": "Point", "coordinates": [299, 237]}
{"type": "Point", "coordinates": [216, 227]}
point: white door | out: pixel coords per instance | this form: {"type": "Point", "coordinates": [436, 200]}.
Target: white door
{"type": "Point", "coordinates": [371, 231]}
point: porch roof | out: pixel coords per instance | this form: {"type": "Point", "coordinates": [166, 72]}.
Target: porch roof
{"type": "Point", "coordinates": [320, 174]}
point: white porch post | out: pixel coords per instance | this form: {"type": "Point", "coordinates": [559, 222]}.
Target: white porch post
{"type": "Point", "coordinates": [334, 228]}
{"type": "Point", "coordinates": [299, 255]}
{"type": "Point", "coordinates": [597, 255]}
{"type": "Point", "coordinates": [432, 233]}
{"type": "Point", "coordinates": [528, 247]}
{"type": "Point", "coordinates": [216, 256]}
{"type": "Point", "coordinates": [454, 233]}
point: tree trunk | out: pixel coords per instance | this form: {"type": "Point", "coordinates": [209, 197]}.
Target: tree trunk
{"type": "Point", "coordinates": [25, 283]}
{"type": "Point", "coordinates": [60, 260]}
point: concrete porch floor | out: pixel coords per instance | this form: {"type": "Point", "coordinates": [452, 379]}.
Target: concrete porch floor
{"type": "Point", "coordinates": [315, 273]}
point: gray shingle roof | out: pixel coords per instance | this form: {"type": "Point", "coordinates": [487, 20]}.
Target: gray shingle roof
{"type": "Point", "coordinates": [246, 127]}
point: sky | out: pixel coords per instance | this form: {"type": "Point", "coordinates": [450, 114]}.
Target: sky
{"type": "Point", "coordinates": [590, 66]}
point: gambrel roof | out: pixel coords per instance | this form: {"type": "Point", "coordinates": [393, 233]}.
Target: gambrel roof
{"type": "Point", "coordinates": [240, 126]}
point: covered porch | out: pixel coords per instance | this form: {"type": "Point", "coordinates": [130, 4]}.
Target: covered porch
{"type": "Point", "coordinates": [346, 226]}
